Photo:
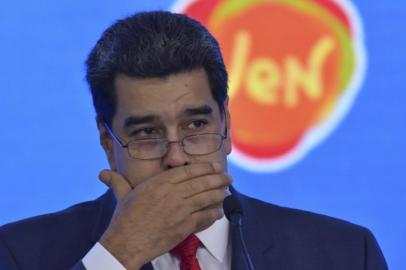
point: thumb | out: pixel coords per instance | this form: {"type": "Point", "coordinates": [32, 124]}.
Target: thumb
{"type": "Point", "coordinates": [116, 182]}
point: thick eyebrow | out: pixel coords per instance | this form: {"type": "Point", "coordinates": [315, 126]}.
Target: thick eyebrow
{"type": "Point", "coordinates": [147, 119]}
{"type": "Point", "coordinates": [205, 110]}
{"type": "Point", "coordinates": [137, 120]}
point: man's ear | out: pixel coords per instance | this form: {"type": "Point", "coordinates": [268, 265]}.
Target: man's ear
{"type": "Point", "coordinates": [107, 143]}
{"type": "Point", "coordinates": [227, 142]}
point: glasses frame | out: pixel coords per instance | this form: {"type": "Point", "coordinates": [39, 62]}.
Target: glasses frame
{"type": "Point", "coordinates": [180, 142]}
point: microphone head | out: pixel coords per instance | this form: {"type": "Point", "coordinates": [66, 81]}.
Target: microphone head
{"type": "Point", "coordinates": [231, 206]}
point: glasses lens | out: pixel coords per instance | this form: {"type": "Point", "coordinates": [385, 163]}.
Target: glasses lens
{"type": "Point", "coordinates": [147, 149]}
{"type": "Point", "coordinates": [202, 144]}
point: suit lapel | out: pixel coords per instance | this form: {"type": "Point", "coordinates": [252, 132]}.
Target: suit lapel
{"type": "Point", "coordinates": [257, 238]}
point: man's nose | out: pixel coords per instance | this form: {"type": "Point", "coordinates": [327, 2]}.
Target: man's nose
{"type": "Point", "coordinates": [175, 156]}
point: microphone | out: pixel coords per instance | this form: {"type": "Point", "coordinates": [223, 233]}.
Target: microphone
{"type": "Point", "coordinates": [233, 211]}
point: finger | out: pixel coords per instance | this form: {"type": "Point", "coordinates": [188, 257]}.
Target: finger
{"type": "Point", "coordinates": [204, 183]}
{"type": "Point", "coordinates": [184, 173]}
{"type": "Point", "coordinates": [116, 182]}
{"type": "Point", "coordinates": [204, 200]}
{"type": "Point", "coordinates": [201, 220]}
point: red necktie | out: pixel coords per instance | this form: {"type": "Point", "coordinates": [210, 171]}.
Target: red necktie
{"type": "Point", "coordinates": [186, 253]}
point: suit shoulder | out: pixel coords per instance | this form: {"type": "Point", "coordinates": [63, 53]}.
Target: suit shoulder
{"type": "Point", "coordinates": [301, 221]}
{"type": "Point", "coordinates": [59, 239]}
{"type": "Point", "coordinates": [67, 216]}
{"type": "Point", "coordinates": [75, 222]}
{"type": "Point", "coordinates": [317, 239]}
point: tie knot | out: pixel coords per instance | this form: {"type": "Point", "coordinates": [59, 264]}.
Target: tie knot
{"type": "Point", "coordinates": [187, 248]}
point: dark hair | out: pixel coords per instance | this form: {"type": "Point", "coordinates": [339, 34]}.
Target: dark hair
{"type": "Point", "coordinates": [148, 45]}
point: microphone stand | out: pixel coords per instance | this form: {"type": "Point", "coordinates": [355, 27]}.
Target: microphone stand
{"type": "Point", "coordinates": [233, 212]}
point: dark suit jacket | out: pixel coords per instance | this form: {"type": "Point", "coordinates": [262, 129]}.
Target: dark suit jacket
{"type": "Point", "coordinates": [277, 238]}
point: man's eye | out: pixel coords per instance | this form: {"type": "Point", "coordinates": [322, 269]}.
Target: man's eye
{"type": "Point", "coordinates": [148, 131]}
{"type": "Point", "coordinates": [197, 124]}
{"type": "Point", "coordinates": [144, 132]}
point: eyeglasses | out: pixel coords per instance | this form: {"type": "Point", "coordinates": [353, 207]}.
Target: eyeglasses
{"type": "Point", "coordinates": [154, 148]}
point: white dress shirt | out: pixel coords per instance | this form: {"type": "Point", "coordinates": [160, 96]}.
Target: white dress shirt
{"type": "Point", "coordinates": [214, 254]}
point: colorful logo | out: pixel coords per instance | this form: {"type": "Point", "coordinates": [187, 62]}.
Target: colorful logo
{"type": "Point", "coordinates": [295, 67]}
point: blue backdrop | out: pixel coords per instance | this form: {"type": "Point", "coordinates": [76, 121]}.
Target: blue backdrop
{"type": "Point", "coordinates": [50, 156]}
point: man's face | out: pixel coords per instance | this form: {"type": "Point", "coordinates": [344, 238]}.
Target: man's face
{"type": "Point", "coordinates": [171, 108]}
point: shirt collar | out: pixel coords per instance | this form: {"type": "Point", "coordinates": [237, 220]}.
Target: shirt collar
{"type": "Point", "coordinates": [215, 238]}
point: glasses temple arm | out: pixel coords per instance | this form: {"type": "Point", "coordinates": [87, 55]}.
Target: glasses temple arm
{"type": "Point", "coordinates": [113, 136]}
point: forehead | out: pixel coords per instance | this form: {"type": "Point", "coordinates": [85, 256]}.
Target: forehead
{"type": "Point", "coordinates": [165, 97]}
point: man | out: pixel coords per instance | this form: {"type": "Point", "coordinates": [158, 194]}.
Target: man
{"type": "Point", "coordinates": [159, 88]}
